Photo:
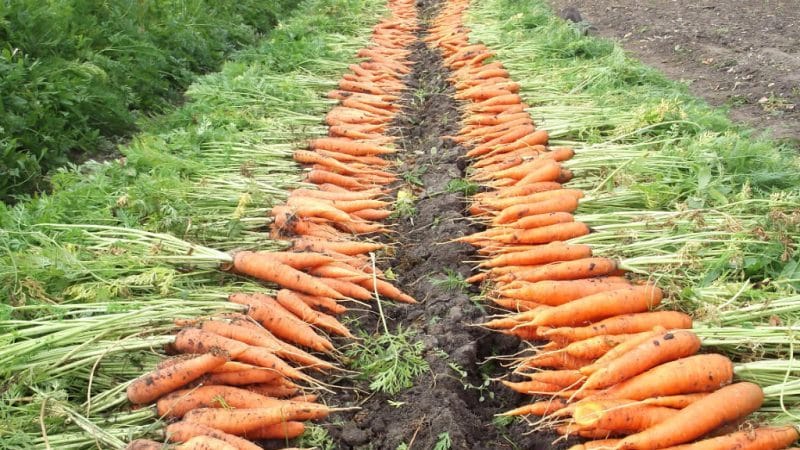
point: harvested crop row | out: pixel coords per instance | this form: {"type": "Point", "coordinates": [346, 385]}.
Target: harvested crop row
{"type": "Point", "coordinates": [240, 377]}
{"type": "Point", "coordinates": [616, 368]}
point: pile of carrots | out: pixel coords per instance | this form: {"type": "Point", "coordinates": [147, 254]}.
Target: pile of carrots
{"type": "Point", "coordinates": [614, 368]}
{"type": "Point", "coordinates": [239, 377]}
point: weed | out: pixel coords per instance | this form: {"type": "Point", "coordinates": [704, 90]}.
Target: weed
{"type": "Point", "coordinates": [316, 437]}
{"type": "Point", "coordinates": [405, 204]}
{"type": "Point", "coordinates": [462, 186]}
{"type": "Point", "coordinates": [390, 361]}
{"type": "Point", "coordinates": [443, 442]}
{"type": "Point", "coordinates": [451, 282]}
{"type": "Point", "coordinates": [414, 176]}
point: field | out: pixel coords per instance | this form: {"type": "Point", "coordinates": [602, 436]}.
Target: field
{"type": "Point", "coordinates": [395, 225]}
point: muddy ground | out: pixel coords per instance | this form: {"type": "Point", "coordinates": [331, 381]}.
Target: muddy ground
{"type": "Point", "coordinates": [741, 54]}
{"type": "Point", "coordinates": [454, 396]}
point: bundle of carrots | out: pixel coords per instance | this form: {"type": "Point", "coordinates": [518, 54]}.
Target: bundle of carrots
{"type": "Point", "coordinates": [236, 377]}
{"type": "Point", "coordinates": [615, 369]}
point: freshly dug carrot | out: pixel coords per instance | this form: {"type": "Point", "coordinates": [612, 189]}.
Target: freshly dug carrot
{"type": "Point", "coordinates": [292, 303]}
{"type": "Point", "coordinates": [596, 346]}
{"type": "Point", "coordinates": [319, 176]}
{"type": "Point", "coordinates": [556, 361]}
{"type": "Point", "coordinates": [724, 405]}
{"type": "Point", "coordinates": [178, 403]}
{"type": "Point", "coordinates": [623, 416]}
{"type": "Point", "coordinates": [322, 303]}
{"type": "Point", "coordinates": [668, 346]}
{"type": "Point", "coordinates": [674, 401]}
{"type": "Point", "coordinates": [281, 322]}
{"type": "Point", "coordinates": [567, 270]}
{"type": "Point", "coordinates": [283, 430]}
{"type": "Point", "coordinates": [555, 293]}
{"type": "Point", "coordinates": [184, 431]}
{"type": "Point", "coordinates": [240, 421]}
{"type": "Point", "coordinates": [350, 248]}
{"type": "Point", "coordinates": [566, 203]}
{"type": "Point", "coordinates": [387, 289]}
{"type": "Point", "coordinates": [600, 444]}
{"type": "Point", "coordinates": [600, 306]}
{"type": "Point", "coordinates": [281, 389]}
{"type": "Point", "coordinates": [350, 147]}
{"type": "Point", "coordinates": [541, 220]}
{"type": "Point", "coordinates": [300, 260]}
{"type": "Point", "coordinates": [531, 387]}
{"type": "Point", "coordinates": [251, 375]}
{"type": "Point", "coordinates": [349, 288]}
{"type": "Point", "coordinates": [144, 444]}
{"type": "Point", "coordinates": [634, 341]}
{"type": "Point", "coordinates": [766, 438]}
{"type": "Point", "coordinates": [540, 408]}
{"type": "Point", "coordinates": [543, 254]}
{"type": "Point", "coordinates": [561, 378]}
{"type": "Point", "coordinates": [151, 386]}
{"type": "Point", "coordinates": [694, 374]}
{"type": "Point", "coordinates": [625, 324]}
{"type": "Point", "coordinates": [546, 234]}
{"type": "Point", "coordinates": [263, 267]}
{"type": "Point", "coordinates": [202, 442]}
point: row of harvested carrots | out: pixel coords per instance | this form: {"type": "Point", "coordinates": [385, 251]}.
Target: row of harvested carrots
{"type": "Point", "coordinates": [240, 377]}
{"type": "Point", "coordinates": [614, 369]}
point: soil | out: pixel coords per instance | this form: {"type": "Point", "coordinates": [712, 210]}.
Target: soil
{"type": "Point", "coordinates": [444, 400]}
{"type": "Point", "coordinates": [743, 55]}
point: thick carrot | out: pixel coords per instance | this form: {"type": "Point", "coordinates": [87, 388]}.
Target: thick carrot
{"type": "Point", "coordinates": [349, 147]}
{"type": "Point", "coordinates": [298, 307]}
{"type": "Point", "coordinates": [595, 347]}
{"type": "Point", "coordinates": [564, 203]}
{"type": "Point", "coordinates": [625, 416]}
{"type": "Point", "coordinates": [283, 430]}
{"type": "Point", "coordinates": [508, 202]}
{"type": "Point", "coordinates": [635, 339]}
{"type": "Point", "coordinates": [300, 260]}
{"type": "Point", "coordinates": [244, 377]}
{"type": "Point", "coordinates": [184, 431]}
{"type": "Point", "coordinates": [178, 403]}
{"type": "Point", "coordinates": [281, 389]}
{"type": "Point", "coordinates": [151, 386]}
{"type": "Point", "coordinates": [264, 268]}
{"type": "Point", "coordinates": [600, 306]}
{"type": "Point", "coordinates": [624, 324]}
{"type": "Point", "coordinates": [563, 361]}
{"type": "Point", "coordinates": [699, 373]}
{"type": "Point", "coordinates": [556, 293]}
{"type": "Point", "coordinates": [766, 438]}
{"type": "Point", "coordinates": [668, 346]}
{"type": "Point", "coordinates": [349, 248]}
{"type": "Point", "coordinates": [546, 234]}
{"type": "Point", "coordinates": [724, 405]}
{"type": "Point", "coordinates": [240, 421]}
{"type": "Point", "coordinates": [567, 270]}
{"type": "Point", "coordinates": [281, 322]}
{"type": "Point", "coordinates": [202, 442]}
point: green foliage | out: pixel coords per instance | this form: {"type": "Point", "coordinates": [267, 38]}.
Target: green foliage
{"type": "Point", "coordinates": [75, 74]}
{"type": "Point", "coordinates": [452, 281]}
{"type": "Point", "coordinates": [316, 437]}
{"type": "Point", "coordinates": [462, 186]}
{"type": "Point", "coordinates": [443, 442]}
{"type": "Point", "coordinates": [390, 361]}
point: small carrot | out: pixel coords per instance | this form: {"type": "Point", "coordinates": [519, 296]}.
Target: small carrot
{"type": "Point", "coordinates": [386, 289]}
{"type": "Point", "coordinates": [540, 408]}
{"type": "Point", "coordinates": [349, 288]}
{"type": "Point", "coordinates": [349, 248]}
{"type": "Point", "coordinates": [151, 386]}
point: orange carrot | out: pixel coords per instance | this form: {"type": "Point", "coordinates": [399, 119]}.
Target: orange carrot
{"type": "Point", "coordinates": [203, 442]}
{"type": "Point", "coordinates": [184, 431]}
{"type": "Point", "coordinates": [567, 270]}
{"type": "Point", "coordinates": [292, 303]}
{"type": "Point", "coordinates": [546, 234]}
{"type": "Point", "coordinates": [624, 416]}
{"type": "Point", "coordinates": [625, 324]}
{"type": "Point", "coordinates": [556, 293]}
{"type": "Point", "coordinates": [668, 346]}
{"type": "Point", "coordinates": [281, 389]}
{"type": "Point", "coordinates": [766, 438]}
{"type": "Point", "coordinates": [566, 203]}
{"type": "Point", "coordinates": [263, 267]}
{"type": "Point", "coordinates": [178, 403]}
{"type": "Point", "coordinates": [597, 346]}
{"type": "Point", "coordinates": [240, 421]}
{"type": "Point", "coordinates": [540, 408]}
{"type": "Point", "coordinates": [349, 147]}
{"type": "Point", "coordinates": [349, 248]}
{"type": "Point", "coordinates": [386, 289]}
{"type": "Point", "coordinates": [600, 306]}
{"type": "Point", "coordinates": [349, 288]}
{"type": "Point", "coordinates": [726, 404]}
{"type": "Point", "coordinates": [283, 431]}
{"type": "Point", "coordinates": [300, 260]}
{"type": "Point", "coordinates": [151, 386]}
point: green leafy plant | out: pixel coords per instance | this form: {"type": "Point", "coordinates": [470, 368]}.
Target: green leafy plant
{"type": "Point", "coordinates": [452, 281]}
{"type": "Point", "coordinates": [443, 442]}
{"type": "Point", "coordinates": [390, 361]}
{"type": "Point", "coordinates": [317, 437]}
{"type": "Point", "coordinates": [462, 186]}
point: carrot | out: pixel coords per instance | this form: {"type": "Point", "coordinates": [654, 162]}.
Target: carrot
{"type": "Point", "coordinates": [555, 293]}
{"type": "Point", "coordinates": [699, 373]}
{"type": "Point", "coordinates": [535, 221]}
{"type": "Point", "coordinates": [556, 361]}
{"type": "Point", "coordinates": [281, 322]}
{"type": "Point", "coordinates": [674, 401]}
{"type": "Point", "coordinates": [504, 203]}
{"type": "Point", "coordinates": [563, 378]}
{"type": "Point", "coordinates": [666, 347]}
{"type": "Point", "coordinates": [567, 270]}
{"type": "Point", "coordinates": [372, 214]}
{"type": "Point", "coordinates": [278, 390]}
{"type": "Point", "coordinates": [240, 421]}
{"type": "Point", "coordinates": [319, 176]}
{"type": "Point", "coordinates": [144, 444]}
{"type": "Point", "coordinates": [349, 288]}
{"type": "Point", "coordinates": [566, 203]}
{"type": "Point", "coordinates": [282, 430]}
{"type": "Point", "coordinates": [546, 234]}
{"type": "Point", "coordinates": [600, 444]}
{"type": "Point", "coordinates": [292, 303]}
{"type": "Point", "coordinates": [624, 324]}
{"type": "Point", "coordinates": [262, 267]}
{"type": "Point", "coordinates": [359, 195]}
{"type": "Point", "coordinates": [599, 306]}
{"type": "Point", "coordinates": [724, 405]}
{"type": "Point", "coordinates": [386, 289]}
{"type": "Point", "coordinates": [514, 304]}
{"type": "Point", "coordinates": [766, 438]}
{"type": "Point", "coordinates": [349, 248]}
{"type": "Point", "coordinates": [153, 385]}
{"type": "Point", "coordinates": [523, 189]}
{"type": "Point", "coordinates": [349, 147]}
{"type": "Point", "coordinates": [300, 260]}
{"type": "Point", "coordinates": [540, 408]}
{"type": "Point", "coordinates": [531, 386]}
{"type": "Point", "coordinates": [178, 403]}
{"type": "Point", "coordinates": [184, 431]}
{"type": "Point", "coordinates": [202, 442]}
{"type": "Point", "coordinates": [596, 346]}
{"type": "Point", "coordinates": [634, 341]}
{"type": "Point", "coordinates": [322, 302]}
{"type": "Point", "coordinates": [624, 416]}
{"type": "Point", "coordinates": [244, 377]}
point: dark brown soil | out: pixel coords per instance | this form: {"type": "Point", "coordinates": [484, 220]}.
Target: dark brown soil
{"type": "Point", "coordinates": [741, 54]}
{"type": "Point", "coordinates": [445, 400]}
